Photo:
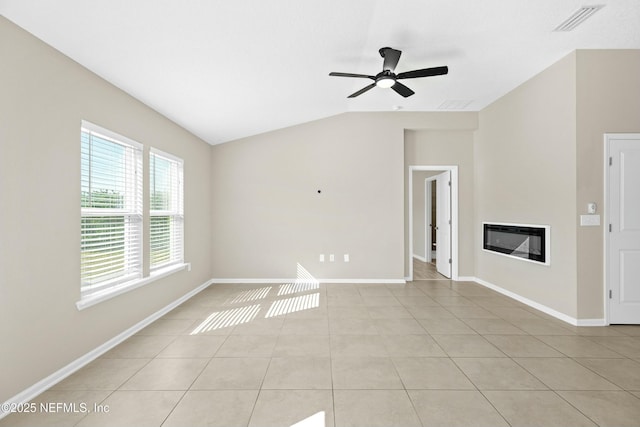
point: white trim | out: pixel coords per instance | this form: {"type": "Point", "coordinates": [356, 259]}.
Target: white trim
{"type": "Point", "coordinates": [114, 291]}
{"type": "Point", "coordinates": [48, 382]}
{"type": "Point", "coordinates": [364, 281]}
{"type": "Point", "coordinates": [527, 301]}
{"type": "Point", "coordinates": [109, 134]}
{"type": "Point", "coordinates": [294, 280]}
{"type": "Point", "coordinates": [466, 279]}
{"type": "Point", "coordinates": [454, 214]}
{"type": "Point", "coordinates": [258, 281]}
{"type": "Point", "coordinates": [420, 258]}
{"type": "Point", "coordinates": [591, 322]}
{"type": "Point", "coordinates": [543, 308]}
{"type": "Point", "coordinates": [166, 155]}
{"type": "Point", "coordinates": [605, 230]}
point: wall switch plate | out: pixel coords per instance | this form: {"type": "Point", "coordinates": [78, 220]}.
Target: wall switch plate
{"type": "Point", "coordinates": [331, 258]}
{"type": "Point", "coordinates": [321, 257]}
{"type": "Point", "coordinates": [346, 257]}
{"type": "Point", "coordinates": [589, 220]}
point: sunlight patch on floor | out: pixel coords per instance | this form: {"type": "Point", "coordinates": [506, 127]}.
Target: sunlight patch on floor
{"type": "Point", "coordinates": [315, 420]}
{"type": "Point", "coordinates": [252, 295]}
{"type": "Point", "coordinates": [227, 318]}
{"type": "Point", "coordinates": [294, 288]}
{"type": "Point", "coordinates": [291, 305]}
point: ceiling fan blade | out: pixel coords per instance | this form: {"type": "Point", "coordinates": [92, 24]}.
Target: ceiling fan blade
{"type": "Point", "coordinates": [402, 89]}
{"type": "Point", "coordinates": [361, 91]}
{"type": "Point", "coordinates": [425, 72]}
{"type": "Point", "coordinates": [364, 76]}
{"type": "Point", "coordinates": [391, 58]}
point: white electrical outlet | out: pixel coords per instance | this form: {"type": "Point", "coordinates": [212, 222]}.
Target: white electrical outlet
{"type": "Point", "coordinates": [331, 258]}
{"type": "Point", "coordinates": [346, 257]}
{"type": "Point", "coordinates": [321, 257]}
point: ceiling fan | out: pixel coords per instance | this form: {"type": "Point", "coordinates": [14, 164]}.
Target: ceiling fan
{"type": "Point", "coordinates": [388, 79]}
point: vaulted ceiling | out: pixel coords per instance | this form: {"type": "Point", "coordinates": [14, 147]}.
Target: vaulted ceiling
{"type": "Point", "coordinates": [230, 69]}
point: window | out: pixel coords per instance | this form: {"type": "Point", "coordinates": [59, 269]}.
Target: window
{"type": "Point", "coordinates": [166, 210]}
{"type": "Point", "coordinates": [111, 209]}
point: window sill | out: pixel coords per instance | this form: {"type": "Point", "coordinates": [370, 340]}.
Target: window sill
{"type": "Point", "coordinates": [107, 294]}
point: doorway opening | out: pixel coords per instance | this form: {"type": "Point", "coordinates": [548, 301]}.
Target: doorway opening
{"type": "Point", "coordinates": [431, 213]}
{"type": "Point", "coordinates": [429, 240]}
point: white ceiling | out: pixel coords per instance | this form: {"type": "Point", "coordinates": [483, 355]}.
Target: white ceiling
{"type": "Point", "coordinates": [229, 69]}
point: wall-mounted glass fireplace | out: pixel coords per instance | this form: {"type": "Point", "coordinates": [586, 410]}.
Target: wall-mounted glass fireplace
{"type": "Point", "coordinates": [522, 241]}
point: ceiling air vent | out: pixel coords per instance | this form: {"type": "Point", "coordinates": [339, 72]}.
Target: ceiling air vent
{"type": "Point", "coordinates": [578, 17]}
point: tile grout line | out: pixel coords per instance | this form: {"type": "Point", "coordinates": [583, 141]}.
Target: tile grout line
{"type": "Point", "coordinates": [451, 287]}
{"type": "Point", "coordinates": [494, 407]}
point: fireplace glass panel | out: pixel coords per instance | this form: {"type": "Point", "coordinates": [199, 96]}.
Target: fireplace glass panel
{"type": "Point", "coordinates": [514, 240]}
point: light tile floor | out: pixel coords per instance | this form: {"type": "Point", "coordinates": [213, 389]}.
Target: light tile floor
{"type": "Point", "coordinates": [428, 353]}
{"type": "Point", "coordinates": [425, 270]}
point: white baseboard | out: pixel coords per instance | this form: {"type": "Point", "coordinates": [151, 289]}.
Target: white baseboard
{"type": "Point", "coordinates": [543, 308]}
{"type": "Point", "coordinates": [255, 281]}
{"type": "Point", "coordinates": [294, 280]}
{"type": "Point", "coordinates": [48, 382]}
{"type": "Point", "coordinates": [363, 281]}
{"type": "Point", "coordinates": [455, 279]}
{"type": "Point", "coordinates": [421, 258]}
{"type": "Point", "coordinates": [592, 322]}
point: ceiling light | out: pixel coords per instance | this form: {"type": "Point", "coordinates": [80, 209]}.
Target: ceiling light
{"type": "Point", "coordinates": [578, 17]}
{"type": "Point", "coordinates": [385, 82]}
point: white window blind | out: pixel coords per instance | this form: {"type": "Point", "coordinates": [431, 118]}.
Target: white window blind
{"type": "Point", "coordinates": [111, 209]}
{"type": "Point", "coordinates": [166, 210]}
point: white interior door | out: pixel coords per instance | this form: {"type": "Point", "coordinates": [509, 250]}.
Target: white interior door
{"type": "Point", "coordinates": [624, 238]}
{"type": "Point", "coordinates": [443, 224]}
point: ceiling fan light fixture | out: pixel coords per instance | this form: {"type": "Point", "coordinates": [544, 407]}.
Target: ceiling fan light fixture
{"type": "Point", "coordinates": [385, 82]}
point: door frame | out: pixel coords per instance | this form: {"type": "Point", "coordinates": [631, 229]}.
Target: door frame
{"type": "Point", "coordinates": [606, 219]}
{"type": "Point", "coordinates": [454, 214]}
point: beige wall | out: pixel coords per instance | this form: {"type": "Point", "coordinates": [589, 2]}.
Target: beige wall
{"type": "Point", "coordinates": [44, 97]}
{"type": "Point", "coordinates": [556, 121]}
{"type": "Point", "coordinates": [608, 101]}
{"type": "Point", "coordinates": [252, 208]}
{"type": "Point", "coordinates": [268, 216]}
{"type": "Point", "coordinates": [525, 158]}
{"type": "Point", "coordinates": [449, 147]}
